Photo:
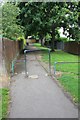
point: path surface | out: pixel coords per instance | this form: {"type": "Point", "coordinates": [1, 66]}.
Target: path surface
{"type": "Point", "coordinates": [38, 98]}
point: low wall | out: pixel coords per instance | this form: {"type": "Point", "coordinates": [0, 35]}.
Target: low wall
{"type": "Point", "coordinates": [72, 47]}
{"type": "Point", "coordinates": [10, 50]}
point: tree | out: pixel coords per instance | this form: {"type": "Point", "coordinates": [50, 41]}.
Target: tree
{"type": "Point", "coordinates": [45, 17]}
{"type": "Point", "coordinates": [33, 19]}
{"type": "Point", "coordinates": [9, 22]}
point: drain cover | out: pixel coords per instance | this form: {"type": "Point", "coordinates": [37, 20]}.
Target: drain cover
{"type": "Point", "coordinates": [33, 76]}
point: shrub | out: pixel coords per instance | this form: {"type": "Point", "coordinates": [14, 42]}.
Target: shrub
{"type": "Point", "coordinates": [23, 40]}
{"type": "Point", "coordinates": [63, 39]}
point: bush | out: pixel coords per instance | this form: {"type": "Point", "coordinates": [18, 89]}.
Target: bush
{"type": "Point", "coordinates": [11, 29]}
{"type": "Point", "coordinates": [62, 39]}
{"type": "Point", "coordinates": [13, 39]}
{"type": "Point", "coordinates": [23, 40]}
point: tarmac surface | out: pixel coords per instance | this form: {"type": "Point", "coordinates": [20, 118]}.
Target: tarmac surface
{"type": "Point", "coordinates": [38, 96]}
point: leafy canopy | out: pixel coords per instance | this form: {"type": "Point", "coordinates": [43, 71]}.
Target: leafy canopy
{"type": "Point", "coordinates": [42, 15]}
{"type": "Point", "coordinates": [42, 18]}
{"type": "Point", "coordinates": [9, 22]}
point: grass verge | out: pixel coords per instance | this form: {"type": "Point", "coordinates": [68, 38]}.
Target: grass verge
{"type": "Point", "coordinates": [4, 101]}
{"type": "Point", "coordinates": [38, 45]}
{"type": "Point", "coordinates": [70, 84]}
{"type": "Point", "coordinates": [69, 77]}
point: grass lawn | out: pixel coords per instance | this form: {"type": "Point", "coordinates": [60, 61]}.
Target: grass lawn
{"type": "Point", "coordinates": [4, 95]}
{"type": "Point", "coordinates": [40, 47]}
{"type": "Point", "coordinates": [69, 77]}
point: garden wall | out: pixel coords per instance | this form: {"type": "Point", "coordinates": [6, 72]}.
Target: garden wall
{"type": "Point", "coordinates": [10, 50]}
{"type": "Point", "coordinates": [72, 47]}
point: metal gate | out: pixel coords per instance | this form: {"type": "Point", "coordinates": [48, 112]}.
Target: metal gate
{"type": "Point", "coordinates": [29, 51]}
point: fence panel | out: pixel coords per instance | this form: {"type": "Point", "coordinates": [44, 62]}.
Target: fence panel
{"type": "Point", "coordinates": [10, 50]}
{"type": "Point", "coordinates": [72, 47]}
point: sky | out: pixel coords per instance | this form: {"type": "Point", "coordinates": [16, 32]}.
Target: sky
{"type": "Point", "coordinates": [61, 33]}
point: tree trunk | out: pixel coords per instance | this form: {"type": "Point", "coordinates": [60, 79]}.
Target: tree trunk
{"type": "Point", "coordinates": [53, 38]}
{"type": "Point", "coordinates": [42, 44]}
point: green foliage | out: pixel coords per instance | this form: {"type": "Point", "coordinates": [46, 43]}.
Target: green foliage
{"type": "Point", "coordinates": [13, 38]}
{"type": "Point", "coordinates": [44, 18]}
{"type": "Point", "coordinates": [22, 39]}
{"type": "Point", "coordinates": [5, 102]}
{"type": "Point", "coordinates": [48, 37]}
{"type": "Point", "coordinates": [9, 21]}
{"type": "Point", "coordinates": [62, 39]}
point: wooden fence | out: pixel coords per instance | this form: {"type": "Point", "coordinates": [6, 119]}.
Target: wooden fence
{"type": "Point", "coordinates": [72, 47]}
{"type": "Point", "coordinates": [10, 50]}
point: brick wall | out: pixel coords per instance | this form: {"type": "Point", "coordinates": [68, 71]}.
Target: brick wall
{"type": "Point", "coordinates": [10, 50]}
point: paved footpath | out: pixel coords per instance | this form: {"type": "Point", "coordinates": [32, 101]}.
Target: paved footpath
{"type": "Point", "coordinates": [38, 98]}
